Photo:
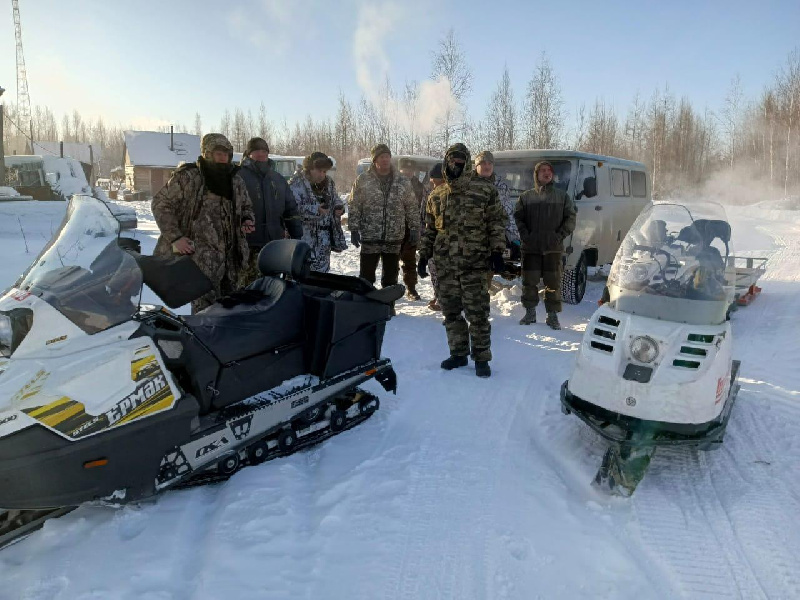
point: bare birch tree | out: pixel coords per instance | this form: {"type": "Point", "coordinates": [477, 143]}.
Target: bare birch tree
{"type": "Point", "coordinates": [543, 112]}
{"type": "Point", "coordinates": [449, 62]}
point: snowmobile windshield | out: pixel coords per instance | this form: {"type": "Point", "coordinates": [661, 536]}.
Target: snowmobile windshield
{"type": "Point", "coordinates": [518, 174]}
{"type": "Point", "coordinates": [675, 265]}
{"type": "Point", "coordinates": [83, 272]}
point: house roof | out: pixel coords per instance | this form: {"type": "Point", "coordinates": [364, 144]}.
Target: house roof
{"type": "Point", "coordinates": [152, 148]}
{"type": "Point", "coordinates": [79, 152]}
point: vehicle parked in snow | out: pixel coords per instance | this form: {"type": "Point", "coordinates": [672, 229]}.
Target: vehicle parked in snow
{"type": "Point", "coordinates": [422, 166]}
{"type": "Point", "coordinates": [609, 194]}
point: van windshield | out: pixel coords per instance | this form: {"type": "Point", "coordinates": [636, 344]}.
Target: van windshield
{"type": "Point", "coordinates": [519, 174]}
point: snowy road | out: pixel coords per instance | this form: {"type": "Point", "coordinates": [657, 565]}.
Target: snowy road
{"type": "Point", "coordinates": [466, 488]}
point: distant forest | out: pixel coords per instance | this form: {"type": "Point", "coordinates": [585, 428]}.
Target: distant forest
{"type": "Point", "coordinates": [742, 142]}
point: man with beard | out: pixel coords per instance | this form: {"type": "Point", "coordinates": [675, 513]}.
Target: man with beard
{"type": "Point", "coordinates": [320, 208]}
{"type": "Point", "coordinates": [204, 211]}
{"type": "Point", "coordinates": [273, 204]}
{"type": "Point", "coordinates": [545, 216]}
{"type": "Point", "coordinates": [465, 236]}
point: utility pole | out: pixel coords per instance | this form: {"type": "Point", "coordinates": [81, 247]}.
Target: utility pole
{"type": "Point", "coordinates": [2, 149]}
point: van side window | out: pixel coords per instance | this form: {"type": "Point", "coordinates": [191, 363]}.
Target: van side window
{"type": "Point", "coordinates": [639, 184]}
{"type": "Point", "coordinates": [587, 182]}
{"type": "Point", "coordinates": [620, 182]}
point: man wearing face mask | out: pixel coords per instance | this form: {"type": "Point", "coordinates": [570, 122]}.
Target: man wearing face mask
{"type": "Point", "coordinates": [320, 208]}
{"type": "Point", "coordinates": [545, 216]}
{"type": "Point", "coordinates": [205, 211]}
{"type": "Point", "coordinates": [382, 207]}
{"type": "Point", "coordinates": [465, 236]}
{"type": "Point", "coordinates": [273, 204]}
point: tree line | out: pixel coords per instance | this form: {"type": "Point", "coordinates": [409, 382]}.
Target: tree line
{"type": "Point", "coordinates": [683, 147]}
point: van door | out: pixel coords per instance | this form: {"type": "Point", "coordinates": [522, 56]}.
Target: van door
{"type": "Point", "coordinates": [588, 229]}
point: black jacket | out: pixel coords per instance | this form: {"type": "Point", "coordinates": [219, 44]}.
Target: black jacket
{"type": "Point", "coordinates": [273, 204]}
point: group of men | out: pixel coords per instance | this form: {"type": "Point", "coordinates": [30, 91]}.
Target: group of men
{"type": "Point", "coordinates": [222, 215]}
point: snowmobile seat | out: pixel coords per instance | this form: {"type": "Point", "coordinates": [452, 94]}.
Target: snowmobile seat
{"type": "Point", "coordinates": [288, 258]}
{"type": "Point", "coordinates": [252, 324]}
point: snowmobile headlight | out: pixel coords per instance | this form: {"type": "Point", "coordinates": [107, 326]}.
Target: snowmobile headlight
{"type": "Point", "coordinates": [644, 349]}
{"type": "Point", "coordinates": [14, 326]}
{"type": "Point", "coordinates": [6, 335]}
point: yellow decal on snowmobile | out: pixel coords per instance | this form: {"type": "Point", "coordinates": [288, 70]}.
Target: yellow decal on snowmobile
{"type": "Point", "coordinates": [143, 366]}
{"type": "Point", "coordinates": [38, 412]}
{"type": "Point", "coordinates": [30, 389]}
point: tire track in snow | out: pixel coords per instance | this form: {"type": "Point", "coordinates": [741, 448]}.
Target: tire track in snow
{"type": "Point", "coordinates": [685, 528]}
{"type": "Point", "coordinates": [453, 475]}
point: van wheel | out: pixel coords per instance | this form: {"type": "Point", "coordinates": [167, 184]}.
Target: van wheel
{"type": "Point", "coordinates": [573, 282]}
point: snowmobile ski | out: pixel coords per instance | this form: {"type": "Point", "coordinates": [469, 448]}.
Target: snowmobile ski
{"type": "Point", "coordinates": [18, 524]}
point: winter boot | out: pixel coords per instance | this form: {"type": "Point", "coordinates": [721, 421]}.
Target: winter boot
{"type": "Point", "coordinates": [412, 294]}
{"type": "Point", "coordinates": [482, 368]}
{"type": "Point", "coordinates": [454, 362]}
{"type": "Point", "coordinates": [434, 305]}
{"type": "Point", "coordinates": [552, 320]}
{"type": "Point", "coordinates": [529, 318]}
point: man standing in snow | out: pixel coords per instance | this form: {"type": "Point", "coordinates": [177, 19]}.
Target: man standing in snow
{"type": "Point", "coordinates": [408, 251]}
{"type": "Point", "coordinates": [205, 211]}
{"type": "Point", "coordinates": [273, 204]}
{"type": "Point", "coordinates": [382, 206]}
{"type": "Point", "coordinates": [320, 208]}
{"type": "Point", "coordinates": [465, 235]}
{"type": "Point", "coordinates": [545, 216]}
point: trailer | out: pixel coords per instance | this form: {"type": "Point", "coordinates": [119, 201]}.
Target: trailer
{"type": "Point", "coordinates": [748, 271]}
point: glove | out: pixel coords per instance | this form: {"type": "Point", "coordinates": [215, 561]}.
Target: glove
{"type": "Point", "coordinates": [413, 237]}
{"type": "Point", "coordinates": [497, 263]}
{"type": "Point", "coordinates": [355, 237]}
{"type": "Point", "coordinates": [422, 267]}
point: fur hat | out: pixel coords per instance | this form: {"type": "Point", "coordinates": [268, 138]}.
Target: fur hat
{"type": "Point", "coordinates": [256, 143]}
{"type": "Point", "coordinates": [378, 150]}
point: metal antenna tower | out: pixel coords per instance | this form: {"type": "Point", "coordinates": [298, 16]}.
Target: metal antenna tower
{"type": "Point", "coordinates": [23, 98]}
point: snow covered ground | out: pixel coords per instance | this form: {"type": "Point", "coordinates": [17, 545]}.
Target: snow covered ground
{"type": "Point", "coordinates": [465, 488]}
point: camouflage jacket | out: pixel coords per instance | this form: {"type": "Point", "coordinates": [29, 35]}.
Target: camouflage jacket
{"type": "Point", "coordinates": [382, 218]}
{"type": "Point", "coordinates": [464, 221]}
{"type": "Point", "coordinates": [318, 230]}
{"type": "Point", "coordinates": [545, 216]}
{"type": "Point", "coordinates": [186, 208]}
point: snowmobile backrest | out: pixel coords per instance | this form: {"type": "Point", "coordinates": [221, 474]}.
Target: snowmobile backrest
{"type": "Point", "coordinates": [290, 258]}
{"type": "Point", "coordinates": [177, 280]}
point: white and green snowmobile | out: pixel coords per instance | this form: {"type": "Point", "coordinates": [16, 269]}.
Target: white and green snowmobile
{"type": "Point", "coordinates": [105, 399]}
{"type": "Point", "coordinates": [655, 366]}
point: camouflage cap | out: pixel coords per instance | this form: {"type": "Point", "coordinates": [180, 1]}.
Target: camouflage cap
{"type": "Point", "coordinates": [378, 150]}
{"type": "Point", "coordinates": [214, 141]}
{"type": "Point", "coordinates": [317, 160]}
{"type": "Point", "coordinates": [485, 155]}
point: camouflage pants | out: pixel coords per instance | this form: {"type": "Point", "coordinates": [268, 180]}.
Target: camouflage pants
{"type": "Point", "coordinates": [547, 267]}
{"type": "Point", "coordinates": [434, 278]}
{"type": "Point", "coordinates": [466, 294]}
{"type": "Point", "coordinates": [408, 254]}
{"type": "Point", "coordinates": [250, 273]}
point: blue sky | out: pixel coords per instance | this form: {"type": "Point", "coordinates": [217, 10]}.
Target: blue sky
{"type": "Point", "coordinates": [153, 62]}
